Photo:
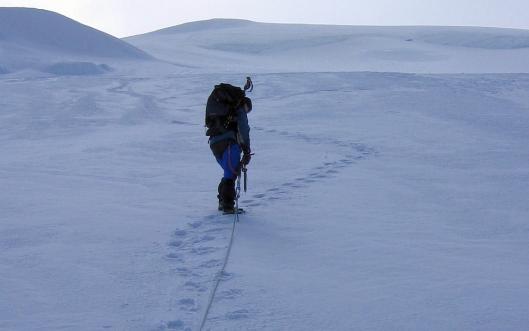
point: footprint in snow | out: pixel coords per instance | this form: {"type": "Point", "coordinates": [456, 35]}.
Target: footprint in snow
{"type": "Point", "coordinates": [211, 264]}
{"type": "Point", "coordinates": [203, 250]}
{"type": "Point", "coordinates": [238, 314]}
{"type": "Point", "coordinates": [194, 286]}
{"type": "Point", "coordinates": [227, 276]}
{"type": "Point", "coordinates": [203, 239]}
{"type": "Point", "coordinates": [185, 272]}
{"type": "Point", "coordinates": [304, 180]}
{"type": "Point", "coordinates": [195, 225]}
{"type": "Point", "coordinates": [187, 304]}
{"type": "Point", "coordinates": [176, 243]}
{"type": "Point", "coordinates": [174, 256]}
{"type": "Point", "coordinates": [230, 294]}
{"type": "Point", "coordinates": [175, 325]}
{"type": "Point", "coordinates": [180, 233]}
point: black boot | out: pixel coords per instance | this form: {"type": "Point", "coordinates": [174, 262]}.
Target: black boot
{"type": "Point", "coordinates": [219, 196]}
{"type": "Point", "coordinates": [227, 195]}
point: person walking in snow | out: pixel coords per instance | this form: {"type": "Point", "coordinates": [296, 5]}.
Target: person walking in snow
{"type": "Point", "coordinates": [229, 137]}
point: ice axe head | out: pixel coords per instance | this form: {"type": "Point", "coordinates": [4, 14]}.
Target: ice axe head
{"type": "Point", "coordinates": [249, 85]}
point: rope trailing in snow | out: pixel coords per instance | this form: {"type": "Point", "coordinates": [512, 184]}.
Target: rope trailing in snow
{"type": "Point", "coordinates": [220, 274]}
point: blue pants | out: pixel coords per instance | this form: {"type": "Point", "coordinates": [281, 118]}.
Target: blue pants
{"type": "Point", "coordinates": [230, 161]}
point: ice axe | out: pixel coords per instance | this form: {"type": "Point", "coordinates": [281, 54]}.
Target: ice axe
{"type": "Point", "coordinates": [245, 176]}
{"type": "Point", "coordinates": [248, 87]}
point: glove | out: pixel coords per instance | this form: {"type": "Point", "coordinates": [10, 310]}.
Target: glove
{"type": "Point", "coordinates": [247, 155]}
{"type": "Point", "coordinates": [246, 159]}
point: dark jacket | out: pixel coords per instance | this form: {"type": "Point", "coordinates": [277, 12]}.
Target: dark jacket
{"type": "Point", "coordinates": [238, 132]}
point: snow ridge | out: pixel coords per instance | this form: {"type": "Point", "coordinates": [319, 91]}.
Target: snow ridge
{"type": "Point", "coordinates": [239, 46]}
{"type": "Point", "coordinates": [45, 30]}
{"type": "Point", "coordinates": [45, 41]}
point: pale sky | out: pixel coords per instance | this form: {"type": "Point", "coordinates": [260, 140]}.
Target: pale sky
{"type": "Point", "coordinates": [129, 17]}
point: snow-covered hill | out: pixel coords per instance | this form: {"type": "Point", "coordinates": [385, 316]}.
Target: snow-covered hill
{"type": "Point", "coordinates": [34, 38]}
{"type": "Point", "coordinates": [237, 45]}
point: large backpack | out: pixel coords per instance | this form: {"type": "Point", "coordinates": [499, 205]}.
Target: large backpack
{"type": "Point", "coordinates": [221, 106]}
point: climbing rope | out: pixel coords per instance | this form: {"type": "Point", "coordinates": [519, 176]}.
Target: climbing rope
{"type": "Point", "coordinates": [221, 273]}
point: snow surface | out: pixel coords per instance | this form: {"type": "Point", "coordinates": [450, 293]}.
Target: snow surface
{"type": "Point", "coordinates": [377, 201]}
{"type": "Point", "coordinates": [77, 68]}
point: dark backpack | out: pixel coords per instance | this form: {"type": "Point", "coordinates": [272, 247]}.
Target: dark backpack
{"type": "Point", "coordinates": [221, 106]}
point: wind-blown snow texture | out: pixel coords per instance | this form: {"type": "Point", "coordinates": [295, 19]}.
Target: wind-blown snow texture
{"type": "Point", "coordinates": [377, 201]}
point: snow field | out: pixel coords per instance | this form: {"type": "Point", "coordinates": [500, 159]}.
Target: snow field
{"type": "Point", "coordinates": [377, 201]}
